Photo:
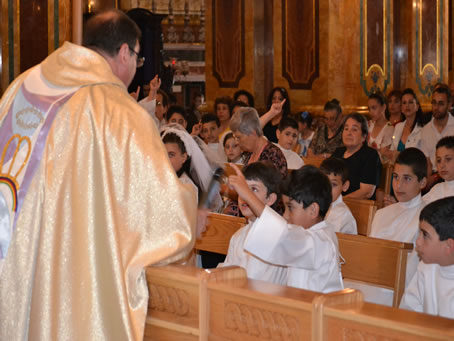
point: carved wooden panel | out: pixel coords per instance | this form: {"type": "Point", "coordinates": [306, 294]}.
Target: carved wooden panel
{"type": "Point", "coordinates": [33, 33]}
{"type": "Point", "coordinates": [228, 42]}
{"type": "Point", "coordinates": [300, 42]}
{"type": "Point", "coordinates": [375, 45]}
{"type": "Point", "coordinates": [429, 44]}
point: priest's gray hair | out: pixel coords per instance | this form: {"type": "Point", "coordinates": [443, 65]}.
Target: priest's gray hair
{"type": "Point", "coordinates": [246, 121]}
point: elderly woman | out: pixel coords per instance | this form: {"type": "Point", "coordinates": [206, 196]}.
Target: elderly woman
{"type": "Point", "coordinates": [245, 125]}
{"type": "Point", "coordinates": [363, 162]}
{"type": "Point", "coordinates": [328, 136]}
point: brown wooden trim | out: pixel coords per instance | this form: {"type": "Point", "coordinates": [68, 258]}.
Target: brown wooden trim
{"type": "Point", "coordinates": [217, 67]}
{"type": "Point", "coordinates": [315, 71]}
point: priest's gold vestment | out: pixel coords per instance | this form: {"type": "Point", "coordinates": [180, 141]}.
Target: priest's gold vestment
{"type": "Point", "coordinates": [103, 203]}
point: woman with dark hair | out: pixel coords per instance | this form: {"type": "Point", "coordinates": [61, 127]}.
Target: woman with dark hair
{"type": "Point", "coordinates": [407, 133]}
{"type": "Point", "coordinates": [245, 97]}
{"type": "Point", "coordinates": [380, 129]}
{"type": "Point", "coordinates": [363, 162]}
{"type": "Point", "coordinates": [278, 104]}
{"type": "Point", "coordinates": [394, 112]}
{"type": "Point", "coordinates": [328, 136]}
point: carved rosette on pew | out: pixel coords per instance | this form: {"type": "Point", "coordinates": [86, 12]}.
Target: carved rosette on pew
{"type": "Point", "coordinates": [300, 42]}
{"type": "Point", "coordinates": [429, 44]}
{"type": "Point", "coordinates": [375, 45]}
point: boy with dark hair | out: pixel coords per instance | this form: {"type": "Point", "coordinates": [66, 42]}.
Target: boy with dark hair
{"type": "Point", "coordinates": [432, 288]}
{"type": "Point", "coordinates": [263, 179]}
{"type": "Point", "coordinates": [287, 138]}
{"type": "Point", "coordinates": [399, 222]}
{"type": "Point", "coordinates": [445, 167]}
{"type": "Point", "coordinates": [301, 240]}
{"type": "Point", "coordinates": [210, 129]}
{"type": "Point", "coordinates": [339, 214]}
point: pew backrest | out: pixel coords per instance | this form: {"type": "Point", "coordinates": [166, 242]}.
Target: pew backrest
{"type": "Point", "coordinates": [375, 261]}
{"type": "Point", "coordinates": [363, 211]}
{"type": "Point", "coordinates": [313, 160]}
{"type": "Point", "coordinates": [219, 230]}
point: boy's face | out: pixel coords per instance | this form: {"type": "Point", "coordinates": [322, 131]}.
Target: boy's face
{"type": "Point", "coordinates": [222, 111]}
{"type": "Point", "coordinates": [296, 214]}
{"type": "Point", "coordinates": [445, 163]}
{"type": "Point", "coordinates": [287, 138]}
{"type": "Point", "coordinates": [161, 110]}
{"type": "Point", "coordinates": [260, 191]}
{"type": "Point", "coordinates": [210, 132]}
{"type": "Point", "coordinates": [405, 183]}
{"type": "Point", "coordinates": [429, 247]}
{"type": "Point", "coordinates": [337, 187]}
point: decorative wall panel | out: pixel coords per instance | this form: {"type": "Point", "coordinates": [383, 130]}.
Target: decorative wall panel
{"type": "Point", "coordinates": [375, 45]}
{"type": "Point", "coordinates": [429, 44]}
{"type": "Point", "coordinates": [300, 42]}
{"type": "Point", "coordinates": [228, 42]}
{"type": "Point", "coordinates": [30, 31]}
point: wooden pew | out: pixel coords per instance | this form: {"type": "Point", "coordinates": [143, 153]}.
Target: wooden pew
{"type": "Point", "coordinates": [222, 304]}
{"type": "Point", "coordinates": [363, 211]}
{"type": "Point", "coordinates": [386, 177]}
{"type": "Point", "coordinates": [314, 161]}
{"type": "Point", "coordinates": [336, 320]}
{"type": "Point", "coordinates": [375, 261]}
{"type": "Point", "coordinates": [176, 310]}
{"type": "Point", "coordinates": [219, 230]}
{"type": "Point", "coordinates": [372, 261]}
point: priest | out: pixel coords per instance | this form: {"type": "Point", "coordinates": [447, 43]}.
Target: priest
{"type": "Point", "coordinates": [88, 197]}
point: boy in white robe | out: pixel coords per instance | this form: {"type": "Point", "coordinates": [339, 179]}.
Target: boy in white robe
{"type": "Point", "coordinates": [431, 290]}
{"type": "Point", "coordinates": [339, 215]}
{"type": "Point", "coordinates": [263, 180]}
{"type": "Point", "coordinates": [445, 166]}
{"type": "Point", "coordinates": [302, 240]}
{"type": "Point", "coordinates": [287, 137]}
{"type": "Point", "coordinates": [400, 221]}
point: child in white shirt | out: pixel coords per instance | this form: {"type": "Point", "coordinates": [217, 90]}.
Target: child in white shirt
{"type": "Point", "coordinates": [445, 166]}
{"type": "Point", "coordinates": [400, 221]}
{"type": "Point", "coordinates": [263, 180]}
{"type": "Point", "coordinates": [302, 240]}
{"type": "Point", "coordinates": [339, 215]}
{"type": "Point", "coordinates": [287, 137]}
{"type": "Point", "coordinates": [432, 288]}
{"type": "Point", "coordinates": [210, 131]}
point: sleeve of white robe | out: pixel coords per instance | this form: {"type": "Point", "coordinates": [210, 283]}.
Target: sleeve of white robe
{"type": "Point", "coordinates": [275, 241]}
{"type": "Point", "coordinates": [413, 298]}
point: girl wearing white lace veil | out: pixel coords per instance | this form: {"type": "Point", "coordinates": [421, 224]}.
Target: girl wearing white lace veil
{"type": "Point", "coordinates": [188, 159]}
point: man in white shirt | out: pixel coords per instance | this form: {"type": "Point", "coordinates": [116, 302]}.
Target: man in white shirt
{"type": "Point", "coordinates": [431, 290]}
{"type": "Point", "coordinates": [441, 125]}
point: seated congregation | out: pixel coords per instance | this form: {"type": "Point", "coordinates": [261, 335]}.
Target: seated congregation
{"type": "Point", "coordinates": [314, 191]}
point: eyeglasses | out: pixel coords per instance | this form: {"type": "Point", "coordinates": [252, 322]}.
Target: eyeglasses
{"type": "Point", "coordinates": [139, 59]}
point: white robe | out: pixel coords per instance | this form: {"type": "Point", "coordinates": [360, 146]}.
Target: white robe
{"type": "Point", "coordinates": [294, 161]}
{"type": "Point", "coordinates": [255, 267]}
{"type": "Point", "coordinates": [312, 255]}
{"type": "Point", "coordinates": [340, 216]}
{"type": "Point", "coordinates": [439, 191]}
{"type": "Point", "coordinates": [431, 290]}
{"type": "Point", "coordinates": [398, 222]}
